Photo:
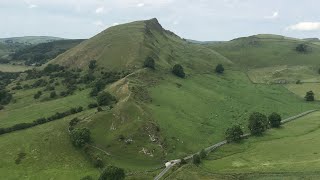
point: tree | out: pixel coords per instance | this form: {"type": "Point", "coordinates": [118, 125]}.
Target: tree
{"type": "Point", "coordinates": [309, 96]}
{"type": "Point", "coordinates": [234, 133]}
{"type": "Point", "coordinates": [219, 69]}
{"type": "Point", "coordinates": [80, 137]}
{"type": "Point", "coordinates": [37, 96]}
{"type": "Point", "coordinates": [112, 173]}
{"type": "Point", "coordinates": [5, 97]}
{"type": "Point", "coordinates": [274, 120]}
{"type": "Point", "coordinates": [196, 159]}
{"type": "Point", "coordinates": [302, 48]}
{"type": "Point", "coordinates": [92, 64]}
{"type": "Point", "coordinates": [149, 63]}
{"type": "Point", "coordinates": [178, 71]}
{"type": "Point", "coordinates": [258, 123]}
{"type": "Point", "coordinates": [105, 98]}
{"type": "Point", "coordinates": [202, 154]}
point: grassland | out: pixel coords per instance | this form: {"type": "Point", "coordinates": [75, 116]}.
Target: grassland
{"type": "Point", "coordinates": [13, 68]}
{"type": "Point", "coordinates": [267, 51]}
{"type": "Point", "coordinates": [206, 105]}
{"type": "Point", "coordinates": [286, 153]}
{"type": "Point", "coordinates": [49, 154]}
{"type": "Point", "coordinates": [301, 89]}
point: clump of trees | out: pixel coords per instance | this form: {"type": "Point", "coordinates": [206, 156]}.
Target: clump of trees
{"type": "Point", "coordinates": [80, 137]}
{"type": "Point", "coordinates": [258, 123]}
{"type": "Point", "coordinates": [5, 97]}
{"type": "Point", "coordinates": [234, 133]}
{"type": "Point", "coordinates": [219, 69]}
{"type": "Point", "coordinates": [105, 99]}
{"type": "Point", "coordinates": [274, 120]}
{"type": "Point", "coordinates": [302, 48]}
{"type": "Point", "coordinates": [112, 172]}
{"type": "Point", "coordinates": [196, 159]}
{"type": "Point", "coordinates": [149, 63]}
{"type": "Point", "coordinates": [309, 96]}
{"type": "Point", "coordinates": [178, 71]}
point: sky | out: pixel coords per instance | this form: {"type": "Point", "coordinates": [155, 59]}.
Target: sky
{"type": "Point", "coordinates": [203, 20]}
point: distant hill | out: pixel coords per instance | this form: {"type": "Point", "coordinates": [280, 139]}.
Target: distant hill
{"type": "Point", "coordinates": [43, 52]}
{"type": "Point", "coordinates": [267, 50]}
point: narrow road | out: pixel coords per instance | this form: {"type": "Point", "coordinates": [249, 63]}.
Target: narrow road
{"type": "Point", "coordinates": [217, 145]}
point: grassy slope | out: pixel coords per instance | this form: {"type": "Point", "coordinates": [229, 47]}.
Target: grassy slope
{"type": "Point", "coordinates": [49, 154]}
{"type": "Point", "coordinates": [26, 109]}
{"type": "Point", "coordinates": [13, 68]}
{"type": "Point", "coordinates": [301, 89]}
{"type": "Point", "coordinates": [291, 152]}
{"type": "Point", "coordinates": [205, 105]}
{"type": "Point", "coordinates": [267, 50]}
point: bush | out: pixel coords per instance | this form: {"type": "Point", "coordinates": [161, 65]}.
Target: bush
{"type": "Point", "coordinates": [309, 96]}
{"type": "Point", "coordinates": [234, 133]}
{"type": "Point", "coordinates": [5, 97]}
{"type": "Point", "coordinates": [219, 69]}
{"type": "Point", "coordinates": [182, 161]}
{"type": "Point", "coordinates": [302, 48]}
{"type": "Point", "coordinates": [99, 109]}
{"type": "Point", "coordinates": [92, 64]}
{"type": "Point", "coordinates": [1, 107]}
{"type": "Point", "coordinates": [274, 120]}
{"type": "Point", "coordinates": [74, 122]}
{"type": "Point", "coordinates": [112, 172]}
{"type": "Point", "coordinates": [37, 96]}
{"type": "Point", "coordinates": [97, 162]}
{"type": "Point", "coordinates": [53, 94]}
{"type": "Point", "coordinates": [196, 159]}
{"type": "Point", "coordinates": [258, 123]}
{"type": "Point", "coordinates": [178, 71]}
{"type": "Point", "coordinates": [92, 105]}
{"type": "Point", "coordinates": [105, 98]}
{"type": "Point", "coordinates": [80, 137]}
{"type": "Point", "coordinates": [203, 154]}
{"type": "Point", "coordinates": [149, 63]}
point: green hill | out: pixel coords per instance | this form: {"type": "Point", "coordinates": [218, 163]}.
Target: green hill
{"type": "Point", "coordinates": [156, 116]}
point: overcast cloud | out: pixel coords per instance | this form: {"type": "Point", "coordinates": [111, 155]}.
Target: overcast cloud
{"type": "Point", "coordinates": [192, 19]}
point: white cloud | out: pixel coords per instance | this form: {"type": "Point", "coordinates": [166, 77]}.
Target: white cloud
{"type": "Point", "coordinates": [140, 5]}
{"type": "Point", "coordinates": [305, 26]}
{"type": "Point", "coordinates": [100, 10]}
{"type": "Point", "coordinates": [31, 6]}
{"type": "Point", "coordinates": [273, 16]}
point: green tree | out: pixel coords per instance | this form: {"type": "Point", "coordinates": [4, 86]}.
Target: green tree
{"type": "Point", "coordinates": [203, 154]}
{"type": "Point", "coordinates": [219, 69]}
{"type": "Point", "coordinates": [105, 99]}
{"type": "Point", "coordinates": [302, 48]}
{"type": "Point", "coordinates": [178, 71]}
{"type": "Point", "coordinates": [80, 137]}
{"type": "Point", "coordinates": [92, 64]}
{"type": "Point", "coordinates": [274, 120]}
{"type": "Point", "coordinates": [234, 133]}
{"type": "Point", "coordinates": [258, 123]}
{"type": "Point", "coordinates": [53, 94]}
{"type": "Point", "coordinates": [149, 63]}
{"type": "Point", "coordinates": [196, 159]}
{"type": "Point", "coordinates": [309, 96]}
{"type": "Point", "coordinates": [112, 173]}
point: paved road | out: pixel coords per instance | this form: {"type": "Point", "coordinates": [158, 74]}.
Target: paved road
{"type": "Point", "coordinates": [215, 146]}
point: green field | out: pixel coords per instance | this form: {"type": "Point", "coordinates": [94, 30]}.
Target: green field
{"type": "Point", "coordinates": [289, 152]}
{"type": "Point", "coordinates": [301, 89]}
{"type": "Point", "coordinates": [13, 68]}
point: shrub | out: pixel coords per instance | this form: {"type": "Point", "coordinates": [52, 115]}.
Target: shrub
{"type": "Point", "coordinates": [178, 71]}
{"type": "Point", "coordinates": [112, 172]}
{"type": "Point", "coordinates": [92, 64]}
{"type": "Point", "coordinates": [302, 48]}
{"type": "Point", "coordinates": [99, 109]}
{"type": "Point", "coordinates": [274, 120]}
{"type": "Point", "coordinates": [234, 133]}
{"type": "Point", "coordinates": [105, 98]}
{"type": "Point", "coordinates": [149, 63]}
{"type": "Point", "coordinates": [196, 159]}
{"type": "Point", "coordinates": [258, 123]}
{"type": "Point", "coordinates": [219, 69]}
{"type": "Point", "coordinates": [97, 162]}
{"type": "Point", "coordinates": [80, 137]}
{"type": "Point", "coordinates": [37, 96]}
{"type": "Point", "coordinates": [5, 97]}
{"type": "Point", "coordinates": [1, 107]}
{"type": "Point", "coordinates": [182, 161]}
{"type": "Point", "coordinates": [92, 105]}
{"type": "Point", "coordinates": [309, 96]}
{"type": "Point", "coordinates": [203, 154]}
{"type": "Point", "coordinates": [53, 94]}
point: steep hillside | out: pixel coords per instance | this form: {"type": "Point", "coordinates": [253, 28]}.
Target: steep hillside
{"type": "Point", "coordinates": [268, 50]}
{"type": "Point", "coordinates": [125, 47]}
